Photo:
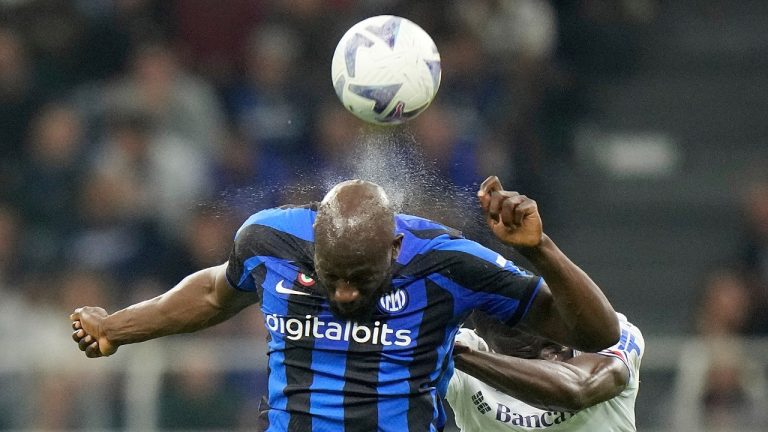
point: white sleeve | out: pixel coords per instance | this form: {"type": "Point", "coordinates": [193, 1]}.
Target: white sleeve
{"type": "Point", "coordinates": [630, 347]}
{"type": "Point", "coordinates": [471, 339]}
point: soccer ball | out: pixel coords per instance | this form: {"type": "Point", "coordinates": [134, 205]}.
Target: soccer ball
{"type": "Point", "coordinates": [386, 70]}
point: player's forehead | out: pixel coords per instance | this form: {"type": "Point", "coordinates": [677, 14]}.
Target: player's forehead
{"type": "Point", "coordinates": [352, 261]}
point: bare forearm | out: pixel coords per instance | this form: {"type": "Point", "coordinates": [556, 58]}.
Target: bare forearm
{"type": "Point", "coordinates": [195, 303]}
{"type": "Point", "coordinates": [589, 319]}
{"type": "Point", "coordinates": [540, 383]}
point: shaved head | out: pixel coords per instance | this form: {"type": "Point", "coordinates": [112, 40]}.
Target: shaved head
{"type": "Point", "coordinates": [353, 214]}
{"type": "Point", "coordinates": [355, 243]}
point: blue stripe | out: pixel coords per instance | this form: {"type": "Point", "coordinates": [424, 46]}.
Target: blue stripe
{"type": "Point", "coordinates": [273, 304]}
{"type": "Point", "coordinates": [502, 307]}
{"type": "Point", "coordinates": [327, 406]}
{"type": "Point", "coordinates": [246, 282]}
{"type": "Point", "coordinates": [394, 373]}
{"type": "Point", "coordinates": [480, 251]}
{"type": "Point", "coordinates": [295, 221]}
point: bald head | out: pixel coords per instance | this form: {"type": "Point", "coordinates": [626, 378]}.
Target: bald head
{"type": "Point", "coordinates": [354, 215]}
{"type": "Point", "coordinates": [355, 243]}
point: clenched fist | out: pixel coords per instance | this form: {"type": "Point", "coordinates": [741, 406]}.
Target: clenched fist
{"type": "Point", "coordinates": [512, 217]}
{"type": "Point", "coordinates": [88, 323]}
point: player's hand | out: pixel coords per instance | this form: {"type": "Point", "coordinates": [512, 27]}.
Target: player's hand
{"type": "Point", "coordinates": [88, 323]}
{"type": "Point", "coordinates": [460, 348]}
{"type": "Point", "coordinates": [512, 217]}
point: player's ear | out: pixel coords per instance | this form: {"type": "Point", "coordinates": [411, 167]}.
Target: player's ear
{"type": "Point", "coordinates": [396, 243]}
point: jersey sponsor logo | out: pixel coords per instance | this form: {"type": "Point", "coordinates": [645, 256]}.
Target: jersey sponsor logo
{"type": "Point", "coordinates": [543, 420]}
{"type": "Point", "coordinates": [313, 327]}
{"type": "Point", "coordinates": [481, 406]}
{"type": "Point", "coordinates": [394, 302]}
{"type": "Point", "coordinates": [282, 289]}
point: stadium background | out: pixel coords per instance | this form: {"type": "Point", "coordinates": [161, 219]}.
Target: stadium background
{"type": "Point", "coordinates": [136, 135]}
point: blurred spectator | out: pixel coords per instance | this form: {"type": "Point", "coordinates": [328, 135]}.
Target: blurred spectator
{"type": "Point", "coordinates": [454, 146]}
{"type": "Point", "coordinates": [35, 309]}
{"type": "Point", "coordinates": [18, 103]}
{"type": "Point", "coordinates": [163, 174]}
{"type": "Point", "coordinates": [271, 106]}
{"type": "Point", "coordinates": [754, 254]}
{"type": "Point", "coordinates": [725, 304]}
{"type": "Point", "coordinates": [178, 102]}
{"type": "Point", "coordinates": [214, 36]}
{"type": "Point", "coordinates": [719, 387]}
{"type": "Point", "coordinates": [197, 398]}
{"type": "Point", "coordinates": [112, 236]}
{"type": "Point", "coordinates": [11, 255]}
{"type": "Point", "coordinates": [53, 168]}
{"type": "Point", "coordinates": [205, 243]}
{"type": "Point", "coordinates": [246, 178]}
{"type": "Point", "coordinates": [335, 137]}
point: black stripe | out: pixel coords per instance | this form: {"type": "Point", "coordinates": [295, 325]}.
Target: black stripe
{"type": "Point", "coordinates": [470, 272]}
{"type": "Point", "coordinates": [361, 378]}
{"type": "Point", "coordinates": [428, 234]}
{"type": "Point", "coordinates": [524, 300]}
{"type": "Point", "coordinates": [298, 371]}
{"type": "Point", "coordinates": [437, 316]}
{"type": "Point", "coordinates": [260, 240]}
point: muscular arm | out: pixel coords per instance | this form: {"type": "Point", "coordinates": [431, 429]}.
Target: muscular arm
{"type": "Point", "coordinates": [574, 385]}
{"type": "Point", "coordinates": [570, 308]}
{"type": "Point", "coordinates": [200, 300]}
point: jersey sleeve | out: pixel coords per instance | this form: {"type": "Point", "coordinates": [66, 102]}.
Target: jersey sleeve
{"type": "Point", "coordinates": [630, 347]}
{"type": "Point", "coordinates": [274, 235]}
{"type": "Point", "coordinates": [471, 339]}
{"type": "Point", "coordinates": [488, 281]}
{"type": "Point", "coordinates": [243, 259]}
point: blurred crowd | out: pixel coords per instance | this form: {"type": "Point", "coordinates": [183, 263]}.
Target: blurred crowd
{"type": "Point", "coordinates": [722, 385]}
{"type": "Point", "coordinates": [137, 135]}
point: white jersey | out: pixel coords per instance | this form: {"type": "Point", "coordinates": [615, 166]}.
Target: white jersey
{"type": "Point", "coordinates": [480, 407]}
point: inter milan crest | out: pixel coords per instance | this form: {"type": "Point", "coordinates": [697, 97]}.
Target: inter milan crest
{"type": "Point", "coordinates": [394, 301]}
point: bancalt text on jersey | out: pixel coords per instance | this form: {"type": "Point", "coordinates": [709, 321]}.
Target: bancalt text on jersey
{"type": "Point", "coordinates": [328, 374]}
{"type": "Point", "coordinates": [479, 406]}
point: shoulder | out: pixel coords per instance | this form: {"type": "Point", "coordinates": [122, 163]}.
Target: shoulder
{"type": "Point", "coordinates": [446, 245]}
{"type": "Point", "coordinates": [290, 220]}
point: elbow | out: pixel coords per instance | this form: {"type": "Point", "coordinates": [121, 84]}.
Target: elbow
{"type": "Point", "coordinates": [612, 333]}
{"type": "Point", "coordinates": [605, 337]}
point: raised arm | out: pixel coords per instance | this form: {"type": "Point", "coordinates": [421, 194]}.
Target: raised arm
{"type": "Point", "coordinates": [575, 384]}
{"type": "Point", "coordinates": [570, 308]}
{"type": "Point", "coordinates": [200, 300]}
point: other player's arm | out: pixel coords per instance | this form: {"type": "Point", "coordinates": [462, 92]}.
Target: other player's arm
{"type": "Point", "coordinates": [570, 308]}
{"type": "Point", "coordinates": [573, 385]}
{"type": "Point", "coordinates": [200, 300]}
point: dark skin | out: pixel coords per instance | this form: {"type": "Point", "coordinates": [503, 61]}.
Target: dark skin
{"type": "Point", "coordinates": [573, 384]}
{"type": "Point", "coordinates": [354, 260]}
{"type": "Point", "coordinates": [552, 380]}
{"type": "Point", "coordinates": [572, 310]}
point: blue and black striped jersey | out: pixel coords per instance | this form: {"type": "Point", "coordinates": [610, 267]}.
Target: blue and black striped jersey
{"type": "Point", "coordinates": [327, 374]}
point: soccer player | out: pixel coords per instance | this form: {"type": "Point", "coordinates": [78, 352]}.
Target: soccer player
{"type": "Point", "coordinates": [362, 304]}
{"type": "Point", "coordinates": [508, 380]}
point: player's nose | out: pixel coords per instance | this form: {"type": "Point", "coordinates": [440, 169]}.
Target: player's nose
{"type": "Point", "coordinates": [345, 293]}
